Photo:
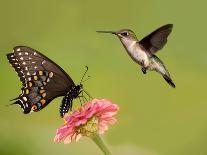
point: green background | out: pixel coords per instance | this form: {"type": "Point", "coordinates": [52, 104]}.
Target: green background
{"type": "Point", "coordinates": [154, 119]}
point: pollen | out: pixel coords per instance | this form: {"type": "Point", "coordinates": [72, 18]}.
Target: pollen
{"type": "Point", "coordinates": [90, 127]}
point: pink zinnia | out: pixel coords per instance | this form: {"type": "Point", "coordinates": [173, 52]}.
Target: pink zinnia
{"type": "Point", "coordinates": [92, 117]}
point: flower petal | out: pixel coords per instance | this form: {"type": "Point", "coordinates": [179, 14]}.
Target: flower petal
{"type": "Point", "coordinates": [93, 116]}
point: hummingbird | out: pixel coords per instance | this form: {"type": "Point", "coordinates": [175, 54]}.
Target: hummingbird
{"type": "Point", "coordinates": [143, 51]}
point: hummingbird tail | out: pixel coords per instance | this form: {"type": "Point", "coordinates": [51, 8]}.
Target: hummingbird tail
{"type": "Point", "coordinates": [169, 80]}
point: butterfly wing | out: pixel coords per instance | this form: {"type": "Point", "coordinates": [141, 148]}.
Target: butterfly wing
{"type": "Point", "coordinates": [42, 79]}
{"type": "Point", "coordinates": [157, 39]}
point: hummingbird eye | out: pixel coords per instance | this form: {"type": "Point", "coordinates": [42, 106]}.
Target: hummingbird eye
{"type": "Point", "coordinates": [124, 34]}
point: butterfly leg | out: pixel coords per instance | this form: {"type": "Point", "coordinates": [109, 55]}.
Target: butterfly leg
{"type": "Point", "coordinates": [80, 100]}
{"type": "Point", "coordinates": [90, 97]}
{"type": "Point", "coordinates": [84, 98]}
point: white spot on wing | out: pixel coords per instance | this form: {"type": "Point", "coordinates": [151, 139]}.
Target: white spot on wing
{"type": "Point", "coordinates": [18, 49]}
{"type": "Point", "coordinates": [25, 98]}
{"type": "Point", "coordinates": [43, 62]}
{"type": "Point", "coordinates": [21, 58]}
{"type": "Point", "coordinates": [24, 63]}
{"type": "Point", "coordinates": [22, 103]}
{"type": "Point", "coordinates": [26, 105]}
{"type": "Point", "coordinates": [51, 74]}
{"type": "Point", "coordinates": [26, 53]}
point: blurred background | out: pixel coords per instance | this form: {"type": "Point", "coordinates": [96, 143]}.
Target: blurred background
{"type": "Point", "coordinates": [154, 119]}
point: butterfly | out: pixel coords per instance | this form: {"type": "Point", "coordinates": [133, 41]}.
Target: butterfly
{"type": "Point", "coordinates": [42, 81]}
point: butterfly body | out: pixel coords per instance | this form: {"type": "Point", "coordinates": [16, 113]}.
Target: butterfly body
{"type": "Point", "coordinates": [67, 101]}
{"type": "Point", "coordinates": [42, 80]}
{"type": "Point", "coordinates": [143, 52]}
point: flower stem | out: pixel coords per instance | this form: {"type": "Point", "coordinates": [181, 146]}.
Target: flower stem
{"type": "Point", "coordinates": [97, 139]}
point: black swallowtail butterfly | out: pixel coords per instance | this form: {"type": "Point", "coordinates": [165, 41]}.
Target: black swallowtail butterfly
{"type": "Point", "coordinates": [42, 80]}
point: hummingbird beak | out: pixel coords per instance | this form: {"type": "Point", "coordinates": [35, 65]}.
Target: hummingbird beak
{"type": "Point", "coordinates": [111, 32]}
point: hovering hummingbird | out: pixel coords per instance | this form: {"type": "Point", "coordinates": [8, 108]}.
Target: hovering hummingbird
{"type": "Point", "coordinates": [143, 52]}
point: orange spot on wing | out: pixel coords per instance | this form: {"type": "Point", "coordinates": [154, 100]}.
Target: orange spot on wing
{"type": "Point", "coordinates": [27, 91]}
{"type": "Point", "coordinates": [40, 72]}
{"type": "Point", "coordinates": [34, 108]}
{"type": "Point", "coordinates": [30, 84]}
{"type": "Point", "coordinates": [42, 101]}
{"type": "Point", "coordinates": [35, 77]}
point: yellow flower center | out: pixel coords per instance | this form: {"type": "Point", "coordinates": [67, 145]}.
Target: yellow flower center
{"type": "Point", "coordinates": [90, 127]}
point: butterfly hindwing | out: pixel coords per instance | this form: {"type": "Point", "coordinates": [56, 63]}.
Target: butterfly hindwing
{"type": "Point", "coordinates": [34, 96]}
{"type": "Point", "coordinates": [42, 79]}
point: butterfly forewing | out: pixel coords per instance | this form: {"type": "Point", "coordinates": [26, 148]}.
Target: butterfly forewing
{"type": "Point", "coordinates": [16, 66]}
{"type": "Point", "coordinates": [28, 57]}
{"type": "Point", "coordinates": [42, 79]}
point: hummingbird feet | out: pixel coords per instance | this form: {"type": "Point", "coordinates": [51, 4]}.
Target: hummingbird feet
{"type": "Point", "coordinates": [144, 71]}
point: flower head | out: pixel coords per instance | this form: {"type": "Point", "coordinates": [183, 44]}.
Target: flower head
{"type": "Point", "coordinates": [92, 117]}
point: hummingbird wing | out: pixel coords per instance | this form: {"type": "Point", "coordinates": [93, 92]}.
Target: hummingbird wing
{"type": "Point", "coordinates": [157, 39]}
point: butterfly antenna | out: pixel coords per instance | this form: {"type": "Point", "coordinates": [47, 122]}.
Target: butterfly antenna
{"type": "Point", "coordinates": [84, 74]}
{"type": "Point", "coordinates": [88, 77]}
